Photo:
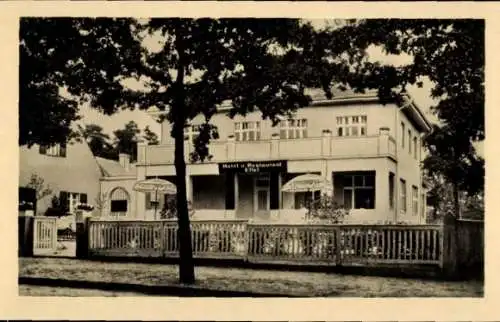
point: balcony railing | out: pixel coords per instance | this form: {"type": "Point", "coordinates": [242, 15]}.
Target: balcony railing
{"type": "Point", "coordinates": [325, 146]}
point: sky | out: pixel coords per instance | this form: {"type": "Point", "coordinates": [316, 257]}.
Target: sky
{"type": "Point", "coordinates": [421, 96]}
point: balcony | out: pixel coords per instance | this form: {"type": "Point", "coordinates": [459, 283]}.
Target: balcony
{"type": "Point", "coordinates": [325, 146]}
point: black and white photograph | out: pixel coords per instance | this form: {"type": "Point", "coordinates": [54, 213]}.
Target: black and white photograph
{"type": "Point", "coordinates": [251, 157]}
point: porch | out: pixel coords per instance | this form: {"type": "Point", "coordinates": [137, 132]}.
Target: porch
{"type": "Point", "coordinates": [243, 195]}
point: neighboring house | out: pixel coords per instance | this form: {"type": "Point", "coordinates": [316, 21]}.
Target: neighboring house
{"type": "Point", "coordinates": [118, 178]}
{"type": "Point", "coordinates": [370, 152]}
{"type": "Point", "coordinates": [118, 198]}
{"type": "Point", "coordinates": [69, 170]}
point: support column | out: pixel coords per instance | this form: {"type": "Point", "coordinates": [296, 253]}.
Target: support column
{"type": "Point", "coordinates": [326, 140]}
{"type": "Point", "coordinates": [383, 141]}
{"type": "Point", "coordinates": [189, 188]}
{"type": "Point", "coordinates": [231, 148]}
{"type": "Point", "coordinates": [382, 208]}
{"type": "Point", "coordinates": [327, 175]}
{"type": "Point", "coordinates": [275, 147]}
{"type": "Point", "coordinates": [236, 192]}
{"type": "Point", "coordinates": [140, 197]}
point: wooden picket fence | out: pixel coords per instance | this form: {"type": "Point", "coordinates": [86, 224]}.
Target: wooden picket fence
{"type": "Point", "coordinates": [339, 244]}
{"type": "Point", "coordinates": [45, 235]}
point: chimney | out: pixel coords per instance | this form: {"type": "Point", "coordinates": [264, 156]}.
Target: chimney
{"type": "Point", "coordinates": [124, 159]}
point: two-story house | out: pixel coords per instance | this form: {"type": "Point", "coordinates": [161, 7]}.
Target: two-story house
{"type": "Point", "coordinates": [371, 154]}
{"type": "Point", "coordinates": [69, 170]}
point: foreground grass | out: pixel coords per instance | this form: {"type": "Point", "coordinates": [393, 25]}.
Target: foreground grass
{"type": "Point", "coordinates": [31, 290]}
{"type": "Point", "coordinates": [258, 281]}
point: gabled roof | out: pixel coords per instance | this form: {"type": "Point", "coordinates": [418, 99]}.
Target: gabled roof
{"type": "Point", "coordinates": [112, 168]}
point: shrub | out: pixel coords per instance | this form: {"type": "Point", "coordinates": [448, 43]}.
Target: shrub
{"type": "Point", "coordinates": [326, 210]}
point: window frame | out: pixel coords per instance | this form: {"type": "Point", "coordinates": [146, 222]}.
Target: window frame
{"type": "Point", "coordinates": [415, 147]}
{"type": "Point", "coordinates": [354, 188]}
{"type": "Point", "coordinates": [403, 135]}
{"type": "Point", "coordinates": [241, 132]}
{"type": "Point", "coordinates": [191, 132]}
{"type": "Point", "coordinates": [286, 128]}
{"type": "Point", "coordinates": [57, 150]}
{"type": "Point", "coordinates": [414, 198]}
{"type": "Point", "coordinates": [403, 195]}
{"type": "Point", "coordinates": [346, 125]}
{"type": "Point", "coordinates": [392, 190]}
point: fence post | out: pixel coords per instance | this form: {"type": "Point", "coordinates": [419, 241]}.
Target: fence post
{"type": "Point", "coordinates": [163, 242]}
{"type": "Point", "coordinates": [246, 234]}
{"type": "Point", "coordinates": [338, 246]}
{"type": "Point", "coordinates": [26, 236]}
{"type": "Point", "coordinates": [450, 247]}
{"type": "Point", "coordinates": [82, 238]}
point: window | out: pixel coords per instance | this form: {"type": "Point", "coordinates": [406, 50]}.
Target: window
{"type": "Point", "coordinates": [293, 129]}
{"type": "Point", "coordinates": [71, 199]}
{"type": "Point", "coordinates": [119, 207]}
{"type": "Point", "coordinates": [359, 191]}
{"type": "Point", "coordinates": [191, 132]}
{"type": "Point", "coordinates": [409, 141]}
{"type": "Point", "coordinates": [414, 200]}
{"type": "Point", "coordinates": [351, 125]}
{"type": "Point", "coordinates": [302, 199]}
{"type": "Point", "coordinates": [151, 199]}
{"type": "Point", "coordinates": [247, 131]}
{"type": "Point", "coordinates": [422, 205]}
{"type": "Point", "coordinates": [402, 135]}
{"type": "Point", "coordinates": [415, 148]}
{"type": "Point", "coordinates": [56, 150]}
{"type": "Point", "coordinates": [391, 190]}
{"type": "Point", "coordinates": [402, 183]}
{"type": "Point", "coordinates": [119, 202]}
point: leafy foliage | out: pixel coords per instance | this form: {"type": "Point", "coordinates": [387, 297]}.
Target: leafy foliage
{"type": "Point", "coordinates": [126, 139]}
{"type": "Point", "coordinates": [98, 141]}
{"type": "Point", "coordinates": [150, 136]}
{"type": "Point", "coordinates": [450, 53]}
{"type": "Point", "coordinates": [38, 184]}
{"type": "Point", "coordinates": [326, 210]}
{"type": "Point", "coordinates": [57, 208]}
{"type": "Point", "coordinates": [169, 209]}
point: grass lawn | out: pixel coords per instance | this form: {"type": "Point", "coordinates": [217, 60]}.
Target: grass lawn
{"type": "Point", "coordinates": [237, 279]}
{"type": "Point", "coordinates": [32, 290]}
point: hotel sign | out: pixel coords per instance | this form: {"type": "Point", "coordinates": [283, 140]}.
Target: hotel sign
{"type": "Point", "coordinates": [253, 167]}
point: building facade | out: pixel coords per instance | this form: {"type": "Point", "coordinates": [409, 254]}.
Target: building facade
{"type": "Point", "coordinates": [69, 171]}
{"type": "Point", "coordinates": [370, 152]}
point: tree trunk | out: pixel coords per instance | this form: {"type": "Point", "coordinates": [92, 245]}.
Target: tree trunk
{"type": "Point", "coordinates": [186, 263]}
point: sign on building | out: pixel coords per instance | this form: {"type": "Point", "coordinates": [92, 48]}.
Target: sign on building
{"type": "Point", "coordinates": [253, 167]}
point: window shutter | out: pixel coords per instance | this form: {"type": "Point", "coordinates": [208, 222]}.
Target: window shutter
{"type": "Point", "coordinates": [62, 151]}
{"type": "Point", "coordinates": [83, 198]}
{"type": "Point", "coordinates": [43, 149]}
{"type": "Point", "coordinates": [63, 200]}
{"type": "Point", "coordinates": [148, 200]}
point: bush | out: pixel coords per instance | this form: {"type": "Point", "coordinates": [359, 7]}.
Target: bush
{"type": "Point", "coordinates": [326, 210]}
{"type": "Point", "coordinates": [169, 209]}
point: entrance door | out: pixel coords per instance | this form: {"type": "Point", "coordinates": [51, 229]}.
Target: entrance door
{"type": "Point", "coordinates": [262, 196]}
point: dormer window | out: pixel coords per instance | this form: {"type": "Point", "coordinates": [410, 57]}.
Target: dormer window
{"type": "Point", "coordinates": [293, 129]}
{"type": "Point", "coordinates": [351, 125]}
{"type": "Point", "coordinates": [56, 150]}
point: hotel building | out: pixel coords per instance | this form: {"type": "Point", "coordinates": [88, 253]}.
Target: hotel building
{"type": "Point", "coordinates": [370, 152]}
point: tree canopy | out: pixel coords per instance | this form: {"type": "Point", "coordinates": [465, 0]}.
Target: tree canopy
{"type": "Point", "coordinates": [256, 64]}
{"type": "Point", "coordinates": [448, 53]}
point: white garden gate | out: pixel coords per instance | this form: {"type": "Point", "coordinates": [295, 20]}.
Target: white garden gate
{"type": "Point", "coordinates": [44, 235]}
